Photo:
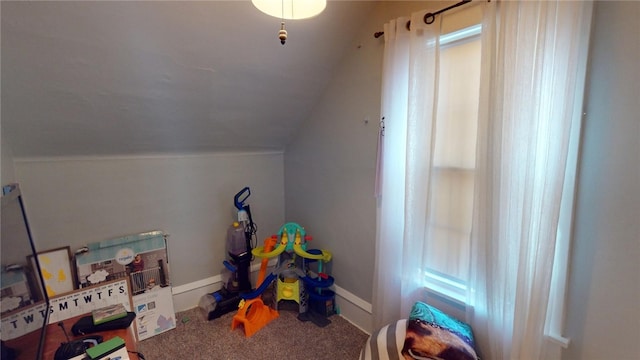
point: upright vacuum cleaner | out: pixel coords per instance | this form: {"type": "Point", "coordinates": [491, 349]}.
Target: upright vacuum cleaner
{"type": "Point", "coordinates": [236, 271]}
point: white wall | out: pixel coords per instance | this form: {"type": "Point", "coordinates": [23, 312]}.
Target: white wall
{"type": "Point", "coordinates": [76, 201]}
{"type": "Point", "coordinates": [603, 315]}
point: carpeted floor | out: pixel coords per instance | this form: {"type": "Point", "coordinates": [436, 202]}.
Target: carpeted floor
{"type": "Point", "coordinates": [286, 337]}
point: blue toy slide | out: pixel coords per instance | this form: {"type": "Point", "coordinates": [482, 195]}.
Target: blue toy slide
{"type": "Point", "coordinates": [257, 292]}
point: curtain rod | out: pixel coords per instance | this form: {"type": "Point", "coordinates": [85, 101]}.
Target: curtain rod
{"type": "Point", "coordinates": [429, 18]}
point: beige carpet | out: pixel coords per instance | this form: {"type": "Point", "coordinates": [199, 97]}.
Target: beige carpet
{"type": "Point", "coordinates": [286, 337]}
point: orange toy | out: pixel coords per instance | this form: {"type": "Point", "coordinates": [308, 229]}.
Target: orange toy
{"type": "Point", "coordinates": [253, 315]}
{"type": "Point", "coordinates": [269, 244]}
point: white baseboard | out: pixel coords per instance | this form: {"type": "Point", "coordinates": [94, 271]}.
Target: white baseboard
{"type": "Point", "coordinates": [352, 308]}
{"type": "Point", "coordinates": [187, 296]}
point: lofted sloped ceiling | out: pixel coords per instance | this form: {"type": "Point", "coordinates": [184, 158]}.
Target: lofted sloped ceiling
{"type": "Point", "coordinates": [84, 78]}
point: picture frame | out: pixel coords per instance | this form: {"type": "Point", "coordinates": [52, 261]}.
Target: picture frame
{"type": "Point", "coordinates": [56, 270]}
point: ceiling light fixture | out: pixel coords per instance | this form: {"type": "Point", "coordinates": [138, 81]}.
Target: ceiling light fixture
{"type": "Point", "coordinates": [291, 10]}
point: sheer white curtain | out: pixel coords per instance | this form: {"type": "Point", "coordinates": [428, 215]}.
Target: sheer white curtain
{"type": "Point", "coordinates": [408, 109]}
{"type": "Point", "coordinates": [530, 70]}
{"type": "Point", "coordinates": [531, 59]}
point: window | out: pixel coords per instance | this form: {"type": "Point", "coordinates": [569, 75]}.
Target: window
{"type": "Point", "coordinates": [453, 176]}
{"type": "Point", "coordinates": [531, 88]}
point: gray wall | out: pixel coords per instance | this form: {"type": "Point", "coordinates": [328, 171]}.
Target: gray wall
{"type": "Point", "coordinates": [603, 313]}
{"type": "Point", "coordinates": [6, 162]}
{"type": "Point", "coordinates": [330, 171]}
{"type": "Point", "coordinates": [329, 187]}
{"type": "Point", "coordinates": [75, 201]}
{"type": "Point", "coordinates": [330, 165]}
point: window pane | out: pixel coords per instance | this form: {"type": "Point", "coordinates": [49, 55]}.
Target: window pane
{"type": "Point", "coordinates": [458, 96]}
{"type": "Point", "coordinates": [447, 250]}
{"type": "Point", "coordinates": [453, 175]}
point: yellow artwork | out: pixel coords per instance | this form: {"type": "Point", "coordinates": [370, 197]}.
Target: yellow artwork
{"type": "Point", "coordinates": [45, 274]}
{"type": "Point", "coordinates": [62, 276]}
{"type": "Point", "coordinates": [55, 269]}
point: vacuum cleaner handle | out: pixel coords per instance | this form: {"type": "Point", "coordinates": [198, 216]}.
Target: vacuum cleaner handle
{"type": "Point", "coordinates": [238, 201]}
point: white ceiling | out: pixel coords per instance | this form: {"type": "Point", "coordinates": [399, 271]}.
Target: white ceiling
{"type": "Point", "coordinates": [142, 77]}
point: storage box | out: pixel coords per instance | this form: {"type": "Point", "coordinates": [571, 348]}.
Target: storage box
{"type": "Point", "coordinates": [143, 259]}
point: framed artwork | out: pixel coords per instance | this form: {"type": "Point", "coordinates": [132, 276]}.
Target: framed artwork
{"type": "Point", "coordinates": [55, 269]}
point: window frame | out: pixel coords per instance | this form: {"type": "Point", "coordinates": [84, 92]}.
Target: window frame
{"type": "Point", "coordinates": [436, 282]}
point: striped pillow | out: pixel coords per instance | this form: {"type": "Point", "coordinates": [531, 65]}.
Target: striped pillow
{"type": "Point", "coordinates": [386, 343]}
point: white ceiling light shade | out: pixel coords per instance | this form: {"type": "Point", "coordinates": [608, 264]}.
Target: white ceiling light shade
{"type": "Point", "coordinates": [291, 9]}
